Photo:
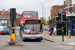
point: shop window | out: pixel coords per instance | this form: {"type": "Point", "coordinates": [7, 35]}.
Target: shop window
{"type": "Point", "coordinates": [73, 20]}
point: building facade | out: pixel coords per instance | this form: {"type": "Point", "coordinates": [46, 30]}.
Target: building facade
{"type": "Point", "coordinates": [56, 8]}
{"type": "Point", "coordinates": [5, 18]}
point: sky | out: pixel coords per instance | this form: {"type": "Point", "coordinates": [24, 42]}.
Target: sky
{"type": "Point", "coordinates": [36, 5]}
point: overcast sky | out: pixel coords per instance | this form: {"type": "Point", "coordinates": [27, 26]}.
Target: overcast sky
{"type": "Point", "coordinates": [22, 5]}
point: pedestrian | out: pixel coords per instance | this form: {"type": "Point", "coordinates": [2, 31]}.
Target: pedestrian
{"type": "Point", "coordinates": [50, 31]}
{"type": "Point", "coordinates": [54, 31]}
{"type": "Point", "coordinates": [69, 32]}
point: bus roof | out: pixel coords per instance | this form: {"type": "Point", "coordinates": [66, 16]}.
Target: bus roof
{"type": "Point", "coordinates": [30, 11]}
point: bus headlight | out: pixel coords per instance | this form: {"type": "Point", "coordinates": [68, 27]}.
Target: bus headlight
{"type": "Point", "coordinates": [41, 35]}
{"type": "Point", "coordinates": [24, 35]}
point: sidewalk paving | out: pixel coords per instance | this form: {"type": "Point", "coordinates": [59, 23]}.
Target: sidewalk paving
{"type": "Point", "coordinates": [58, 39]}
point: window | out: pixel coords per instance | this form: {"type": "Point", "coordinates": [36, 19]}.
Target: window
{"type": "Point", "coordinates": [21, 16]}
{"type": "Point", "coordinates": [32, 28]}
{"type": "Point", "coordinates": [30, 14]}
{"type": "Point", "coordinates": [73, 20]}
{"type": "Point", "coordinates": [0, 21]}
{"type": "Point", "coordinates": [61, 7]}
{"type": "Point", "coordinates": [56, 11]}
{"type": "Point", "coordinates": [5, 21]}
{"type": "Point", "coordinates": [56, 15]}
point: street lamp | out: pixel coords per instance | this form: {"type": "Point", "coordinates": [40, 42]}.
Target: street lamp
{"type": "Point", "coordinates": [45, 18]}
{"type": "Point", "coordinates": [42, 15]}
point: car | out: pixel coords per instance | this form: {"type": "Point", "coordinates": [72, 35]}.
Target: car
{"type": "Point", "coordinates": [1, 28]}
{"type": "Point", "coordinates": [0, 32]}
{"type": "Point", "coordinates": [5, 31]}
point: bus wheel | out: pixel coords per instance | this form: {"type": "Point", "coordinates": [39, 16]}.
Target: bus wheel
{"type": "Point", "coordinates": [23, 40]}
{"type": "Point", "coordinates": [39, 40]}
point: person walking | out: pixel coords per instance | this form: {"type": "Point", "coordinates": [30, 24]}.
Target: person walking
{"type": "Point", "coordinates": [54, 30]}
{"type": "Point", "coordinates": [69, 32]}
{"type": "Point", "coordinates": [50, 31]}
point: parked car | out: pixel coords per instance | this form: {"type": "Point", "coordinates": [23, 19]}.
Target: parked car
{"type": "Point", "coordinates": [0, 32]}
{"type": "Point", "coordinates": [5, 31]}
{"type": "Point", "coordinates": [1, 28]}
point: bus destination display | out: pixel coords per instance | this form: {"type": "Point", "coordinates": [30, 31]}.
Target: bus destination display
{"type": "Point", "coordinates": [32, 21]}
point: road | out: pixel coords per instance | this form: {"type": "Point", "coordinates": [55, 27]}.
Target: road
{"type": "Point", "coordinates": [32, 45]}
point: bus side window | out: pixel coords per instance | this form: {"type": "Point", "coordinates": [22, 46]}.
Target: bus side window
{"type": "Point", "coordinates": [41, 29]}
{"type": "Point", "coordinates": [22, 27]}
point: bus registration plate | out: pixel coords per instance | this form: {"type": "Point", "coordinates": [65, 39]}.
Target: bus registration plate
{"type": "Point", "coordinates": [32, 38]}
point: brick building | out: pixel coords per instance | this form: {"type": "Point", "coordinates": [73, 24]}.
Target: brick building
{"type": "Point", "coordinates": [18, 21]}
{"type": "Point", "coordinates": [5, 18]}
{"type": "Point", "coordinates": [56, 8]}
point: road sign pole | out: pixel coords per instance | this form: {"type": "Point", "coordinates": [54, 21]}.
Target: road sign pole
{"type": "Point", "coordinates": [62, 27]}
{"type": "Point", "coordinates": [62, 33]}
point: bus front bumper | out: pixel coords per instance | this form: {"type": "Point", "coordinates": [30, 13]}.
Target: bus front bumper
{"type": "Point", "coordinates": [35, 38]}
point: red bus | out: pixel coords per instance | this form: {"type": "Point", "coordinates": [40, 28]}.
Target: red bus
{"type": "Point", "coordinates": [31, 26]}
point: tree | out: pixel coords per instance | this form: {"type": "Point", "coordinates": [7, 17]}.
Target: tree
{"type": "Point", "coordinates": [43, 20]}
{"type": "Point", "coordinates": [48, 22]}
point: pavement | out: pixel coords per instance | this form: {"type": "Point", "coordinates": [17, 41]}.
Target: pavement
{"type": "Point", "coordinates": [58, 39]}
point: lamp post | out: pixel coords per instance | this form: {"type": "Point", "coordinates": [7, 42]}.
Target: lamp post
{"type": "Point", "coordinates": [71, 7]}
{"type": "Point", "coordinates": [45, 18]}
{"type": "Point", "coordinates": [42, 15]}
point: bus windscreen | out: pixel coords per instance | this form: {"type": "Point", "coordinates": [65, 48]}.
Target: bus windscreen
{"type": "Point", "coordinates": [30, 14]}
{"type": "Point", "coordinates": [32, 28]}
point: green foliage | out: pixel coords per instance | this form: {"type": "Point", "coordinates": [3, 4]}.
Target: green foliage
{"type": "Point", "coordinates": [48, 22]}
{"type": "Point", "coordinates": [43, 20]}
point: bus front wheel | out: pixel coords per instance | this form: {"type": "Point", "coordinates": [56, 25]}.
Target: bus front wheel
{"type": "Point", "coordinates": [39, 40]}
